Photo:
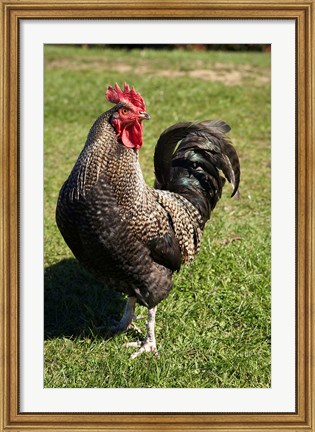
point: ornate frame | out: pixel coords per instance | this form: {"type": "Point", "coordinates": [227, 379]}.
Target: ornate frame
{"type": "Point", "coordinates": [12, 11]}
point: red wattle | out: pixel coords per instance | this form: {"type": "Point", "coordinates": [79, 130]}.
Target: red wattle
{"type": "Point", "coordinates": [131, 135]}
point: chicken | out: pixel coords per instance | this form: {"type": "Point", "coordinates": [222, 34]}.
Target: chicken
{"type": "Point", "coordinates": [130, 236]}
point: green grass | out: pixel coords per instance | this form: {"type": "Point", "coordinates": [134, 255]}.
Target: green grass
{"type": "Point", "coordinates": [214, 328]}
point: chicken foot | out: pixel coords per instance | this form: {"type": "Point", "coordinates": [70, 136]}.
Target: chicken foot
{"type": "Point", "coordinates": [127, 320]}
{"type": "Point", "coordinates": [148, 344]}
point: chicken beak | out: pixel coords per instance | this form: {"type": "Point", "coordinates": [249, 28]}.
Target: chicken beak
{"type": "Point", "coordinates": [144, 115]}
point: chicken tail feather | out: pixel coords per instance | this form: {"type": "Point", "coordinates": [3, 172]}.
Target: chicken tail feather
{"type": "Point", "coordinates": [193, 168]}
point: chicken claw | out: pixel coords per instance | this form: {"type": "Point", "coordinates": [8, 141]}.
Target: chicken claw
{"type": "Point", "coordinates": [145, 346]}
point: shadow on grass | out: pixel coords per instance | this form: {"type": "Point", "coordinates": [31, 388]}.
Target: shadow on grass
{"type": "Point", "coordinates": [75, 303]}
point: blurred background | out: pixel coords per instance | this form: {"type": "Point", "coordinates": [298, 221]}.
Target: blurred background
{"type": "Point", "coordinates": [187, 47]}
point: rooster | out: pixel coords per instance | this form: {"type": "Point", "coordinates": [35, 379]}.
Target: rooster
{"type": "Point", "coordinates": [131, 236]}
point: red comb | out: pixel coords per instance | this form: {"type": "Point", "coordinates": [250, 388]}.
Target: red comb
{"type": "Point", "coordinates": [116, 95]}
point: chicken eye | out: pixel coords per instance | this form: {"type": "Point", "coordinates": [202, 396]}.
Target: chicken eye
{"type": "Point", "coordinates": [124, 110]}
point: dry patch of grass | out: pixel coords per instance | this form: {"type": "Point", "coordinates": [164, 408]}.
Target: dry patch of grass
{"type": "Point", "coordinates": [229, 74]}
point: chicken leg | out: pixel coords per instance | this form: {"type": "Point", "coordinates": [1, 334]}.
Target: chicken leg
{"type": "Point", "coordinates": [148, 344]}
{"type": "Point", "coordinates": [126, 321]}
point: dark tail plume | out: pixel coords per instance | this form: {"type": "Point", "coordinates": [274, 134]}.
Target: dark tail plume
{"type": "Point", "coordinates": [193, 169]}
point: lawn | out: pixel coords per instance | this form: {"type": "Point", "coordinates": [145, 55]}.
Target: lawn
{"type": "Point", "coordinates": [214, 328]}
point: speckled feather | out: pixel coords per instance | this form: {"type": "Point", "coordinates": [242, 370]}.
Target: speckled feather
{"type": "Point", "coordinates": [131, 236]}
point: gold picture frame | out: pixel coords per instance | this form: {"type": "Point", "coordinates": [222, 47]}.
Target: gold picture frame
{"type": "Point", "coordinates": [12, 12]}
